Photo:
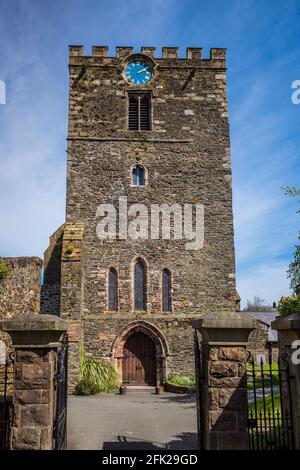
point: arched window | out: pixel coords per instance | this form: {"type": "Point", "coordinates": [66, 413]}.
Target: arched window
{"type": "Point", "coordinates": [139, 285]}
{"type": "Point", "coordinates": [166, 290]}
{"type": "Point", "coordinates": [138, 175]}
{"type": "Point", "coordinates": [112, 290]}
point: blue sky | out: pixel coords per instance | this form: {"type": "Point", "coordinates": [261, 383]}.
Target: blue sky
{"type": "Point", "coordinates": [262, 38]}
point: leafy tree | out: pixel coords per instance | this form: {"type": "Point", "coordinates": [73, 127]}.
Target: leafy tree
{"type": "Point", "coordinates": [289, 305]}
{"type": "Point", "coordinates": [293, 273]}
{"type": "Point", "coordinates": [292, 191]}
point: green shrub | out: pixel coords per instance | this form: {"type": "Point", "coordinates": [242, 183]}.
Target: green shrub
{"type": "Point", "coordinates": [87, 387]}
{"type": "Point", "coordinates": [96, 376]}
{"type": "Point", "coordinates": [3, 269]}
{"type": "Point", "coordinates": [186, 380]}
{"type": "Point", "coordinates": [288, 305]}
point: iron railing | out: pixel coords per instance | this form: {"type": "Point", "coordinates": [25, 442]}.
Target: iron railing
{"type": "Point", "coordinates": [270, 425]}
{"type": "Point", "coordinates": [60, 422]}
{"type": "Point", "coordinates": [6, 407]}
{"type": "Point", "coordinates": [199, 395]}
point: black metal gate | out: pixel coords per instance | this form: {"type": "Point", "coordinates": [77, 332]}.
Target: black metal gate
{"type": "Point", "coordinates": [198, 375]}
{"type": "Point", "coordinates": [270, 425]}
{"type": "Point", "coordinates": [60, 423]}
{"type": "Point", "coordinates": [6, 407]}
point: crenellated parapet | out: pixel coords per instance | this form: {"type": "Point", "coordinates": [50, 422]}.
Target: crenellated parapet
{"type": "Point", "coordinates": [217, 57]}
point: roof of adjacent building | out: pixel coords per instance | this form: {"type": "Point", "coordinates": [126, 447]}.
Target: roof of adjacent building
{"type": "Point", "coordinates": [267, 318]}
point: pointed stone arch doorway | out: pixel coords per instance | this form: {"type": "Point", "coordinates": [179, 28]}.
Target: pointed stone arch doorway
{"type": "Point", "coordinates": [139, 360]}
{"type": "Point", "coordinates": [140, 354]}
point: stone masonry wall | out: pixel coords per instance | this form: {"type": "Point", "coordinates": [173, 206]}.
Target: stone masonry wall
{"type": "Point", "coordinates": [34, 407]}
{"type": "Point", "coordinates": [187, 160]}
{"type": "Point", "coordinates": [224, 395]}
{"type": "Point", "coordinates": [20, 290]}
{"type": "Point", "coordinates": [187, 157]}
{"type": "Point", "coordinates": [258, 342]}
{"type": "Point", "coordinates": [100, 334]}
{"type": "Point", "coordinates": [50, 292]}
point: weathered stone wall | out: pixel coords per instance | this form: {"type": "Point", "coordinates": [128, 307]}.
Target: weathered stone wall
{"type": "Point", "coordinates": [187, 159]}
{"type": "Point", "coordinates": [50, 291]}
{"type": "Point", "coordinates": [33, 405]}
{"type": "Point", "coordinates": [20, 289]}
{"type": "Point", "coordinates": [225, 397]}
{"type": "Point", "coordinates": [257, 343]}
{"type": "Point", "coordinates": [100, 335]}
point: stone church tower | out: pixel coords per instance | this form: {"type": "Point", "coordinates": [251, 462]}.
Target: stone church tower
{"type": "Point", "coordinates": [149, 131]}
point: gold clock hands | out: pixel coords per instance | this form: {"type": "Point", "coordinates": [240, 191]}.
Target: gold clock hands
{"type": "Point", "coordinates": [143, 70]}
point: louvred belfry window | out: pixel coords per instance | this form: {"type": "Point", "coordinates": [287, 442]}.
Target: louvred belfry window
{"type": "Point", "coordinates": [139, 112]}
{"type": "Point", "coordinates": [113, 290]}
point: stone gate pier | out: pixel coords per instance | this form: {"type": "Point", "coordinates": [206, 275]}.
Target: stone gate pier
{"type": "Point", "coordinates": [223, 382]}
{"type": "Point", "coordinates": [35, 339]}
{"type": "Point", "coordinates": [289, 344]}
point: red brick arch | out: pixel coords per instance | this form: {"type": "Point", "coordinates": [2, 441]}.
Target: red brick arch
{"type": "Point", "coordinates": [161, 346]}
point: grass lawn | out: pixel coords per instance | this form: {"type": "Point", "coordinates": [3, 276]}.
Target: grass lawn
{"type": "Point", "coordinates": [268, 401]}
{"type": "Point", "coordinates": [258, 375]}
{"type": "Point", "coordinates": [185, 380]}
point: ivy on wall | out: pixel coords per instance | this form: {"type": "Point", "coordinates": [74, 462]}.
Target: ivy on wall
{"type": "Point", "coordinates": [3, 269]}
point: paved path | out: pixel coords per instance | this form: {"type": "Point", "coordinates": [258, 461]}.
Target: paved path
{"type": "Point", "coordinates": [138, 420]}
{"type": "Point", "coordinates": [260, 393]}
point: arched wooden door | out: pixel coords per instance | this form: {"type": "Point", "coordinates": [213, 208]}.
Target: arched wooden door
{"type": "Point", "coordinates": [139, 360]}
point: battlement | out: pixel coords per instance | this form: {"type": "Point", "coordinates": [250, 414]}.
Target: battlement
{"type": "Point", "coordinates": [217, 55]}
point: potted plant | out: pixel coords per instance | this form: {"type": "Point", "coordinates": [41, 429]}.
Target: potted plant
{"type": "Point", "coordinates": [123, 390]}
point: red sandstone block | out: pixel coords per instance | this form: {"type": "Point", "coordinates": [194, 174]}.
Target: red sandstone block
{"type": "Point", "coordinates": [223, 421]}
{"type": "Point", "coordinates": [74, 332]}
{"type": "Point", "coordinates": [26, 439]}
{"type": "Point", "coordinates": [222, 369]}
{"type": "Point", "coordinates": [36, 371]}
{"type": "Point", "coordinates": [34, 415]}
{"type": "Point", "coordinates": [232, 354]}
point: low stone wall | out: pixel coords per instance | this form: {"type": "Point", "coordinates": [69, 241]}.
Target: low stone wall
{"type": "Point", "coordinates": [20, 292]}
{"type": "Point", "coordinates": [258, 343]}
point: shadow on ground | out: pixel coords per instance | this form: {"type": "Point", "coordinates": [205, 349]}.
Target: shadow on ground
{"type": "Point", "coordinates": [183, 441]}
{"type": "Point", "coordinates": [184, 398]}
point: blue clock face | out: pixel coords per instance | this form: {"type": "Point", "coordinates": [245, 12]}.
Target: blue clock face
{"type": "Point", "coordinates": [138, 72]}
